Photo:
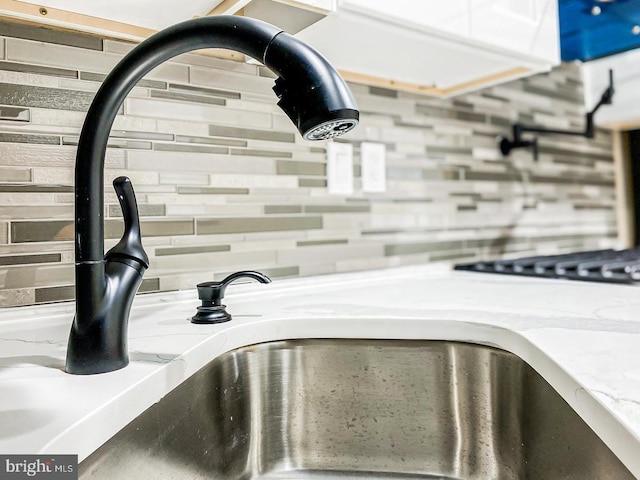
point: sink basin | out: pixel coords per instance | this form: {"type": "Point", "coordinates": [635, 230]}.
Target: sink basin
{"type": "Point", "coordinates": [338, 409]}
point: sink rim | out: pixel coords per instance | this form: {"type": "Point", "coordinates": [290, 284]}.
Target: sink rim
{"type": "Point", "coordinates": [254, 355]}
{"type": "Point", "coordinates": [146, 383]}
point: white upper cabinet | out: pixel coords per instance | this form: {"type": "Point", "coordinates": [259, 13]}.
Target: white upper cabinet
{"type": "Point", "coordinates": [526, 26]}
{"type": "Point", "coordinates": [448, 16]}
{"type": "Point", "coordinates": [138, 19]}
{"type": "Point", "coordinates": [439, 48]}
{"type": "Point", "coordinates": [319, 5]}
{"type": "Point", "coordinates": [143, 13]}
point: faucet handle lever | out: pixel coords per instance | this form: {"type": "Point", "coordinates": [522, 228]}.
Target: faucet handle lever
{"type": "Point", "coordinates": [130, 245]}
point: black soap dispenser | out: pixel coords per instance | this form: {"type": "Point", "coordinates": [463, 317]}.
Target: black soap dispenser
{"type": "Point", "coordinates": [212, 293]}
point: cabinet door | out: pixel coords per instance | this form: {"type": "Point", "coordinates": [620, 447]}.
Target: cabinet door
{"type": "Point", "coordinates": [326, 5]}
{"type": "Point", "coordinates": [323, 6]}
{"type": "Point", "coordinates": [526, 27]}
{"type": "Point", "coordinates": [153, 15]}
{"type": "Point", "coordinates": [451, 16]}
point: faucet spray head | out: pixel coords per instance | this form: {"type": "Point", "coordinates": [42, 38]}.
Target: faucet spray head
{"type": "Point", "coordinates": [330, 129]}
{"type": "Point", "coordinates": [310, 91]}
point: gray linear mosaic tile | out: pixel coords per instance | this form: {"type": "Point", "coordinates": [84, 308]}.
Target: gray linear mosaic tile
{"type": "Point", "coordinates": [54, 294]}
{"type": "Point", "coordinates": [237, 132]}
{"type": "Point", "coordinates": [383, 92]}
{"type": "Point", "coordinates": [337, 208]}
{"type": "Point", "coordinates": [209, 77]}
{"type": "Point", "coordinates": [61, 56]}
{"type": "Point", "coordinates": [414, 248]}
{"type": "Point", "coordinates": [313, 243]}
{"type": "Point", "coordinates": [191, 250]}
{"type": "Point", "coordinates": [50, 35]}
{"type": "Point", "coordinates": [568, 152]}
{"type": "Point", "coordinates": [144, 210]}
{"type": "Point", "coordinates": [204, 59]}
{"type": "Point", "coordinates": [17, 296]}
{"type": "Point", "coordinates": [456, 256]}
{"type": "Point", "coordinates": [571, 160]}
{"type": "Point", "coordinates": [149, 285]}
{"type": "Point", "coordinates": [573, 180]}
{"type": "Point", "coordinates": [432, 150]}
{"type": "Point", "coordinates": [187, 97]}
{"type": "Point", "coordinates": [153, 228]}
{"type": "Point", "coordinates": [284, 167]}
{"type": "Point", "coordinates": [259, 153]}
{"type": "Point", "coordinates": [280, 209]}
{"type": "Point", "coordinates": [35, 188]}
{"type": "Point", "coordinates": [462, 104]}
{"type": "Point", "coordinates": [33, 212]}
{"type": "Point", "coordinates": [312, 182]}
{"type": "Point", "coordinates": [175, 147]}
{"type": "Point", "coordinates": [214, 92]}
{"type": "Point", "coordinates": [265, 72]}
{"type": "Point", "coordinates": [441, 175]}
{"type": "Point", "coordinates": [146, 83]}
{"type": "Point", "coordinates": [167, 137]}
{"type": "Point", "coordinates": [593, 206]}
{"type": "Point", "coordinates": [256, 224]}
{"type": "Point", "coordinates": [14, 114]}
{"type": "Point", "coordinates": [211, 141]}
{"type": "Point", "coordinates": [470, 116]}
{"type": "Point", "coordinates": [15, 175]}
{"type": "Point", "coordinates": [212, 191]}
{"type": "Point", "coordinates": [43, 97]}
{"type": "Point", "coordinates": [30, 259]}
{"type": "Point", "coordinates": [26, 138]}
{"type": "Point", "coordinates": [499, 121]}
{"type": "Point", "coordinates": [118, 46]}
{"type": "Point", "coordinates": [113, 143]}
{"type": "Point", "coordinates": [40, 70]}
{"type": "Point", "coordinates": [52, 231]}
{"type": "Point", "coordinates": [61, 230]}
{"type": "Point", "coordinates": [493, 176]}
{"type": "Point", "coordinates": [567, 94]}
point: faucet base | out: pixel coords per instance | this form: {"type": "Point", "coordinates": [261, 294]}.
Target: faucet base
{"type": "Point", "coordinates": [92, 368]}
{"type": "Point", "coordinates": [98, 340]}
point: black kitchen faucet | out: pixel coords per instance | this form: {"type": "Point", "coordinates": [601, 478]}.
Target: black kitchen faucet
{"type": "Point", "coordinates": [311, 93]}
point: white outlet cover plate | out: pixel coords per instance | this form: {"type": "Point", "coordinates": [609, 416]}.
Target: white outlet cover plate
{"type": "Point", "coordinates": [374, 167]}
{"type": "Point", "coordinates": [340, 168]}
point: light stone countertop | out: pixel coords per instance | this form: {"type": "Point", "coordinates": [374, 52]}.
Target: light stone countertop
{"type": "Point", "coordinates": [583, 338]}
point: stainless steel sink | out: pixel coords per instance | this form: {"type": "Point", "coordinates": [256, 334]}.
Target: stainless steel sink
{"type": "Point", "coordinates": [338, 409]}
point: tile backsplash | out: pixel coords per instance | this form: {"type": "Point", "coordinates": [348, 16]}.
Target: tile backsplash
{"type": "Point", "coordinates": [225, 183]}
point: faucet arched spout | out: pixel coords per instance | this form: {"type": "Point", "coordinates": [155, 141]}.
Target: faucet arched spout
{"type": "Point", "coordinates": [311, 93]}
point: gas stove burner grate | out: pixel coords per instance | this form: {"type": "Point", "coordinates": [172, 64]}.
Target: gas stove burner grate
{"type": "Point", "coordinates": [610, 266]}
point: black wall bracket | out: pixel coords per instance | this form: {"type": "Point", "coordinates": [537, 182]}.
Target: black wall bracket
{"type": "Point", "coordinates": [507, 145]}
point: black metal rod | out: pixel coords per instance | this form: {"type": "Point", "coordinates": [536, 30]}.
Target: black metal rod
{"type": "Point", "coordinates": [507, 145]}
{"type": "Point", "coordinates": [525, 129]}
